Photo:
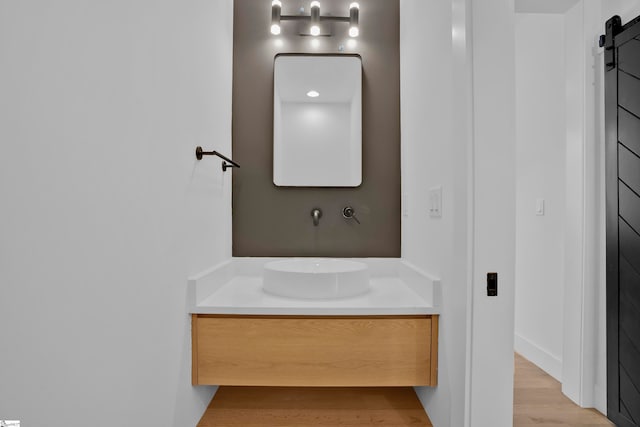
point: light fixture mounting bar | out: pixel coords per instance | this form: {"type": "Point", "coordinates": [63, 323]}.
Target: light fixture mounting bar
{"type": "Point", "coordinates": [307, 17]}
{"type": "Point", "coordinates": [335, 18]}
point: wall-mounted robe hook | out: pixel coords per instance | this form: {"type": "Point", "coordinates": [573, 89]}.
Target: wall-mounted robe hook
{"type": "Point", "coordinates": [225, 165]}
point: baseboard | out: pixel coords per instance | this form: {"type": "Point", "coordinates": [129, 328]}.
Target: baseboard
{"type": "Point", "coordinates": [539, 357]}
{"type": "Point", "coordinates": [600, 399]}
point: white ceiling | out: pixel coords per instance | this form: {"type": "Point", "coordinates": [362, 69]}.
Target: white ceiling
{"type": "Point", "coordinates": [544, 6]}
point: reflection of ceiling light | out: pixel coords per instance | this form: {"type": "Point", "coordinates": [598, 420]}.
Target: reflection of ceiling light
{"type": "Point", "coordinates": [313, 94]}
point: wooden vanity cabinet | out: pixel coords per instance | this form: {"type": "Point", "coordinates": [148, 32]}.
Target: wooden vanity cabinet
{"type": "Point", "coordinates": [315, 350]}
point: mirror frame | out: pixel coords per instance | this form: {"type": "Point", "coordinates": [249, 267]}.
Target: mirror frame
{"type": "Point", "coordinates": [331, 55]}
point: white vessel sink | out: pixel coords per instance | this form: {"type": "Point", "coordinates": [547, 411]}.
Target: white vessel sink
{"type": "Point", "coordinates": [316, 278]}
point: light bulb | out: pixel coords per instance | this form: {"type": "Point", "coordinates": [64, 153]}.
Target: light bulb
{"type": "Point", "coordinates": [276, 8]}
{"type": "Point", "coordinates": [315, 18]}
{"type": "Point", "coordinates": [354, 19]}
{"type": "Point", "coordinates": [313, 94]}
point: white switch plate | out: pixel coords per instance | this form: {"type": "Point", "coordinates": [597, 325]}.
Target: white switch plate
{"type": "Point", "coordinates": [435, 202]}
{"type": "Point", "coordinates": [539, 207]}
{"type": "Point", "coordinates": [405, 205]}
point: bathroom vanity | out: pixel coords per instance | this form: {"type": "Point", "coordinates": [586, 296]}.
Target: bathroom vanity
{"type": "Point", "coordinates": [245, 336]}
{"type": "Point", "coordinates": [315, 350]}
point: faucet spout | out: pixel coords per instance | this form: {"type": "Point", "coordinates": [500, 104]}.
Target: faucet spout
{"type": "Point", "coordinates": [316, 214]}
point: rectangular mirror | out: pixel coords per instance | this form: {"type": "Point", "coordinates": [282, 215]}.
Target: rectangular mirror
{"type": "Point", "coordinates": [317, 121]}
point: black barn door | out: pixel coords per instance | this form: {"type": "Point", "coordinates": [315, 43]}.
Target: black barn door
{"type": "Point", "coordinates": [622, 110]}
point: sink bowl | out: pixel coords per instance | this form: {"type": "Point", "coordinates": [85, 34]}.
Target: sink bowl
{"type": "Point", "coordinates": [316, 278]}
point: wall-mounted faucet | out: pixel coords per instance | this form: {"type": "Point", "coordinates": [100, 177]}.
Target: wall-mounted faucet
{"type": "Point", "coordinates": [316, 213]}
{"type": "Point", "coordinates": [350, 213]}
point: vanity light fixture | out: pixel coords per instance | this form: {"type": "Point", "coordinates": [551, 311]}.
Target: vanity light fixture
{"type": "Point", "coordinates": [313, 94]}
{"type": "Point", "coordinates": [315, 18]}
{"type": "Point", "coordinates": [354, 17]}
{"type": "Point", "coordinates": [276, 8]}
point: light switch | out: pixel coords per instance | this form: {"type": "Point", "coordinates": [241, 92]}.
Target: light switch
{"type": "Point", "coordinates": [540, 207]}
{"type": "Point", "coordinates": [435, 202]}
{"type": "Point", "coordinates": [405, 205]}
{"type": "Point", "coordinates": [492, 284]}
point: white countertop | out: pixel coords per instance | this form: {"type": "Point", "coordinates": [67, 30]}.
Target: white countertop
{"type": "Point", "coordinates": [235, 287]}
{"type": "Point", "coordinates": [244, 295]}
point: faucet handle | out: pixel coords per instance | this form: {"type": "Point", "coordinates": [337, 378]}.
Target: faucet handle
{"type": "Point", "coordinates": [316, 214]}
{"type": "Point", "coordinates": [349, 213]}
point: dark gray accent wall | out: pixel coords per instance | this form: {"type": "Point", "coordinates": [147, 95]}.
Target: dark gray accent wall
{"type": "Point", "coordinates": [276, 221]}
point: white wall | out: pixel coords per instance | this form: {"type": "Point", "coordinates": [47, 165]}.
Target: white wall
{"type": "Point", "coordinates": [540, 174]}
{"type": "Point", "coordinates": [584, 341]}
{"type": "Point", "coordinates": [627, 9]}
{"type": "Point", "coordinates": [581, 363]}
{"type": "Point", "coordinates": [494, 158]}
{"type": "Point", "coordinates": [105, 211]}
{"type": "Point", "coordinates": [575, 199]}
{"type": "Point", "coordinates": [584, 311]}
{"type": "Point", "coordinates": [458, 101]}
{"type": "Point", "coordinates": [544, 6]}
{"type": "Point", "coordinates": [431, 157]}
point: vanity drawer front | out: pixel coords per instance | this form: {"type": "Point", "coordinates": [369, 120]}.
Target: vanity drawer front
{"type": "Point", "coordinates": [315, 351]}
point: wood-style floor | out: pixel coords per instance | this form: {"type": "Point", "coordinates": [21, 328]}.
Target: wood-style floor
{"type": "Point", "coordinates": [538, 401]}
{"type": "Point", "coordinates": [311, 406]}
